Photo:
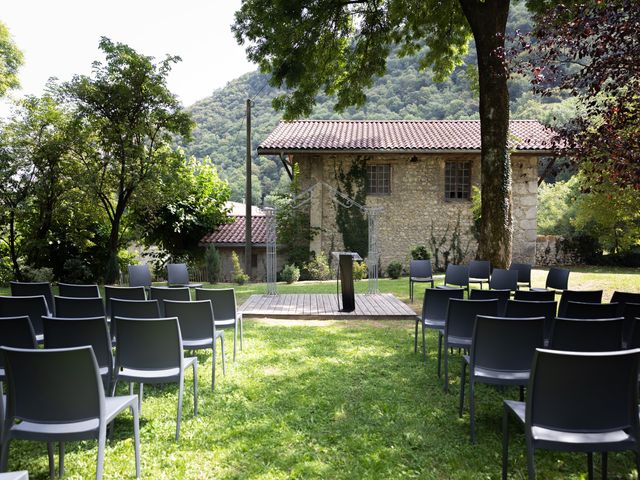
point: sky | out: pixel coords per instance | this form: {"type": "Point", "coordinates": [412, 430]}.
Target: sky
{"type": "Point", "coordinates": [59, 38]}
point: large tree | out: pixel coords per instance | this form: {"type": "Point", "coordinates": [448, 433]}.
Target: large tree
{"type": "Point", "coordinates": [339, 47]}
{"type": "Point", "coordinates": [10, 60]}
{"type": "Point", "coordinates": [127, 120]}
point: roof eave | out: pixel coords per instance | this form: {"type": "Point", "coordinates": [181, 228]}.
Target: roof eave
{"type": "Point", "coordinates": [291, 151]}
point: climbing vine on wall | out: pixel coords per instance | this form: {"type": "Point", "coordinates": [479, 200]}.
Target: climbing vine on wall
{"type": "Point", "coordinates": [352, 223]}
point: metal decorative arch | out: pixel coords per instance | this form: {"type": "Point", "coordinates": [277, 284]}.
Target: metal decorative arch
{"type": "Point", "coordinates": [342, 200]}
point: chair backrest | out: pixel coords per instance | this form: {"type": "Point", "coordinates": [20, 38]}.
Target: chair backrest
{"type": "Point", "coordinates": [34, 307]}
{"type": "Point", "coordinates": [525, 308]}
{"type": "Point", "coordinates": [177, 274]}
{"type": "Point", "coordinates": [139, 275]}
{"type": "Point", "coordinates": [123, 293]}
{"type": "Point", "coordinates": [76, 332]}
{"type": "Point", "coordinates": [622, 298]}
{"type": "Point", "coordinates": [196, 318]}
{"type": "Point", "coordinates": [535, 295]}
{"type": "Point", "coordinates": [480, 269]}
{"type": "Point", "coordinates": [594, 335]}
{"type": "Point", "coordinates": [33, 289]}
{"type": "Point", "coordinates": [588, 310]}
{"type": "Point", "coordinates": [502, 279]}
{"type": "Point", "coordinates": [506, 343]}
{"type": "Point", "coordinates": [461, 315]}
{"type": "Point", "coordinates": [589, 296]}
{"type": "Point", "coordinates": [501, 295]}
{"type": "Point", "coordinates": [436, 302]}
{"type": "Point", "coordinates": [135, 308]}
{"type": "Point", "coordinates": [457, 275]}
{"type": "Point", "coordinates": [53, 386]}
{"type": "Point", "coordinates": [223, 301]}
{"type": "Point", "coordinates": [148, 344]}
{"type": "Point", "coordinates": [420, 269]}
{"type": "Point", "coordinates": [71, 307]}
{"type": "Point", "coordinates": [180, 294]}
{"type": "Point", "coordinates": [584, 391]}
{"type": "Point", "coordinates": [524, 272]}
{"type": "Point", "coordinates": [558, 278]}
{"type": "Point", "coordinates": [631, 313]}
{"type": "Point", "coordinates": [16, 332]}
{"type": "Point", "coordinates": [78, 291]}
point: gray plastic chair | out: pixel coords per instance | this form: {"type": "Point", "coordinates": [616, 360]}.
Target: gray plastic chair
{"type": "Point", "coordinates": [526, 309]}
{"type": "Point", "coordinates": [502, 350]}
{"type": "Point", "coordinates": [57, 396]}
{"type": "Point", "coordinates": [457, 275]}
{"type": "Point", "coordinates": [458, 329]}
{"type": "Point", "coordinates": [535, 295]}
{"type": "Point", "coordinates": [78, 291]}
{"type": "Point", "coordinates": [77, 332]}
{"type": "Point", "coordinates": [151, 351]}
{"type": "Point", "coordinates": [178, 276]}
{"type": "Point", "coordinates": [588, 310]}
{"type": "Point", "coordinates": [524, 273]}
{"type": "Point", "coordinates": [557, 279]}
{"type": "Point", "coordinates": [631, 314]}
{"type": "Point", "coordinates": [434, 313]}
{"type": "Point", "coordinates": [135, 308]}
{"type": "Point", "coordinates": [578, 402]}
{"type": "Point", "coordinates": [71, 307]}
{"type": "Point", "coordinates": [502, 279]}
{"type": "Point", "coordinates": [420, 271]}
{"type": "Point", "coordinates": [479, 271]}
{"type": "Point", "coordinates": [198, 329]}
{"type": "Point", "coordinates": [34, 307]}
{"type": "Point", "coordinates": [622, 298]}
{"type": "Point", "coordinates": [139, 276]}
{"type": "Point", "coordinates": [589, 296]}
{"type": "Point", "coordinates": [593, 335]}
{"type": "Point", "coordinates": [225, 311]}
{"type": "Point", "coordinates": [501, 295]}
{"type": "Point", "coordinates": [122, 293]}
{"type": "Point", "coordinates": [33, 289]}
{"type": "Point", "coordinates": [178, 294]}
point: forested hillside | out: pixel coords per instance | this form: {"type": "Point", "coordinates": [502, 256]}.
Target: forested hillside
{"type": "Point", "coordinates": [403, 93]}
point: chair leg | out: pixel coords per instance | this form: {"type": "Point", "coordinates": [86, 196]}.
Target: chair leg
{"type": "Point", "coordinates": [590, 466]}
{"type": "Point", "coordinates": [136, 436]}
{"type": "Point", "coordinates": [410, 291]}
{"type": "Point", "coordinates": [463, 377]}
{"type": "Point", "coordinates": [446, 368]}
{"type": "Point", "coordinates": [472, 408]}
{"type": "Point", "coordinates": [4, 451]}
{"type": "Point", "coordinates": [213, 365]}
{"type": "Point", "coordinates": [235, 340]}
{"type": "Point", "coordinates": [521, 390]}
{"type": "Point", "coordinates": [424, 344]}
{"type": "Point", "coordinates": [605, 464]}
{"type": "Point", "coordinates": [52, 462]}
{"type": "Point", "coordinates": [239, 319]}
{"type": "Point", "coordinates": [415, 338]}
{"type": "Point", "coordinates": [180, 391]}
{"type": "Point", "coordinates": [102, 440]}
{"type": "Point", "coordinates": [505, 441]}
{"type": "Point", "coordinates": [195, 388]}
{"type": "Point", "coordinates": [224, 365]}
{"type": "Point", "coordinates": [140, 397]}
{"type": "Point", "coordinates": [531, 466]}
{"type": "Point", "coordinates": [61, 459]}
{"type": "Point", "coordinates": [439, 352]}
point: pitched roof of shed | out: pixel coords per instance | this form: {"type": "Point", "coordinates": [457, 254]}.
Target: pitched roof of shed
{"type": "Point", "coordinates": [396, 135]}
{"type": "Point", "coordinates": [233, 233]}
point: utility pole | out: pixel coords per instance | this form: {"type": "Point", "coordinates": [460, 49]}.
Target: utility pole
{"type": "Point", "coordinates": [247, 197]}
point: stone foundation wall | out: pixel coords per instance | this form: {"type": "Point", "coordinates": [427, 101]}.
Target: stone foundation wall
{"type": "Point", "coordinates": [550, 251]}
{"type": "Point", "coordinates": [416, 212]}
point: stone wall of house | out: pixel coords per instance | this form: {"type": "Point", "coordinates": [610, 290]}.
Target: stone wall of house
{"type": "Point", "coordinates": [416, 212]}
{"type": "Point", "coordinates": [550, 250]}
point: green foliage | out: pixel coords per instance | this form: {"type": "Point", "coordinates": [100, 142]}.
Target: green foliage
{"type": "Point", "coordinates": [75, 270]}
{"type": "Point", "coordinates": [360, 270]}
{"type": "Point", "coordinates": [213, 263]}
{"type": "Point", "coordinates": [394, 269]}
{"type": "Point", "coordinates": [239, 276]}
{"type": "Point", "coordinates": [476, 211]}
{"type": "Point", "coordinates": [557, 207]}
{"type": "Point", "coordinates": [290, 273]}
{"type": "Point", "coordinates": [318, 267]}
{"type": "Point", "coordinates": [420, 252]}
{"type": "Point", "coordinates": [11, 59]}
{"type": "Point", "coordinates": [352, 222]}
{"type": "Point", "coordinates": [31, 274]}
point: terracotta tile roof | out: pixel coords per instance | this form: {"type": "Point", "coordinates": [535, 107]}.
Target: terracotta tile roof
{"type": "Point", "coordinates": [396, 135]}
{"type": "Point", "coordinates": [233, 233]}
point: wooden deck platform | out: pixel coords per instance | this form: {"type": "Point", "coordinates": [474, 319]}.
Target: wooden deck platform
{"type": "Point", "coordinates": [325, 307]}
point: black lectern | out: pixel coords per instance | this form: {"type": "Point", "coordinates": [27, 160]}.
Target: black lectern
{"type": "Point", "coordinates": [345, 279]}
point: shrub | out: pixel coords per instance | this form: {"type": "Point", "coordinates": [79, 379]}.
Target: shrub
{"type": "Point", "coordinates": [394, 269]}
{"type": "Point", "coordinates": [420, 252]}
{"type": "Point", "coordinates": [360, 270]}
{"type": "Point", "coordinates": [318, 267]}
{"type": "Point", "coordinates": [214, 265]}
{"type": "Point", "coordinates": [31, 274]}
{"type": "Point", "coordinates": [290, 273]}
{"type": "Point", "coordinates": [76, 270]}
{"type": "Point", "coordinates": [238, 273]}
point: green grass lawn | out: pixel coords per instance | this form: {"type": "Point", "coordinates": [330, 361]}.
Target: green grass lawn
{"type": "Point", "coordinates": [325, 399]}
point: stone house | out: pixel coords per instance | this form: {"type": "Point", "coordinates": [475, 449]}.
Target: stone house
{"type": "Point", "coordinates": [420, 172]}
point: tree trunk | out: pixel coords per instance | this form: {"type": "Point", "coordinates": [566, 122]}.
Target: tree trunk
{"type": "Point", "coordinates": [488, 20]}
{"type": "Point", "coordinates": [112, 268]}
{"type": "Point", "coordinates": [12, 246]}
